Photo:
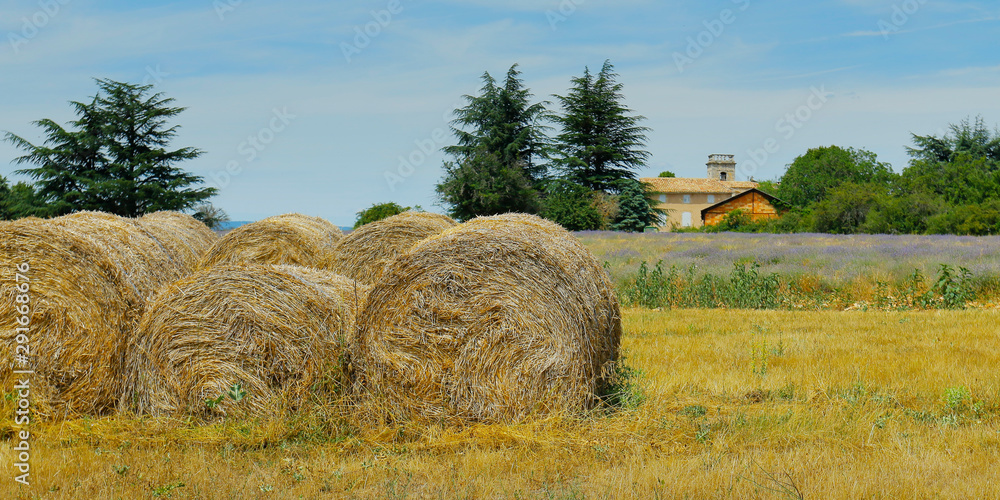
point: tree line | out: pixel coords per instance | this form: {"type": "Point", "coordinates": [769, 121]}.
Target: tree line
{"type": "Point", "coordinates": [576, 163]}
{"type": "Point", "coordinates": [950, 186]}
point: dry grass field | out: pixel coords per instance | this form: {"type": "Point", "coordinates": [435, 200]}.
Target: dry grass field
{"type": "Point", "coordinates": [725, 404]}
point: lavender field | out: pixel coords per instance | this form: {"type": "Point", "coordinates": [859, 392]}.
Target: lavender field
{"type": "Point", "coordinates": [836, 261]}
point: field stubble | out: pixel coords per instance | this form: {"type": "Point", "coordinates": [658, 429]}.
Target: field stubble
{"type": "Point", "coordinates": [724, 403]}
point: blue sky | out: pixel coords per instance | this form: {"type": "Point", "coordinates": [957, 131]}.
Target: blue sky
{"type": "Point", "coordinates": [331, 113]}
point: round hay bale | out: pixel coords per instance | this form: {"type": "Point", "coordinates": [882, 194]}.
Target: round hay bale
{"type": "Point", "coordinates": [81, 309]}
{"type": "Point", "coordinates": [275, 332]}
{"type": "Point", "coordinates": [186, 239]}
{"type": "Point", "coordinates": [365, 252]}
{"type": "Point", "coordinates": [148, 264]}
{"type": "Point", "coordinates": [497, 319]}
{"type": "Point", "coordinates": [293, 239]}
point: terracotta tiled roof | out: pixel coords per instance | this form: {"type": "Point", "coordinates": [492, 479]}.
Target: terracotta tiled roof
{"type": "Point", "coordinates": [688, 185]}
{"type": "Point", "coordinates": [741, 184]}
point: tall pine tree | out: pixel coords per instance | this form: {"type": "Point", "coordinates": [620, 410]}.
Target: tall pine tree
{"type": "Point", "coordinates": [601, 142]}
{"type": "Point", "coordinates": [114, 158]}
{"type": "Point", "coordinates": [502, 121]}
{"type": "Point", "coordinates": [499, 162]}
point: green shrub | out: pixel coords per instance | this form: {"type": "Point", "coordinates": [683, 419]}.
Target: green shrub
{"type": "Point", "coordinates": [378, 212]}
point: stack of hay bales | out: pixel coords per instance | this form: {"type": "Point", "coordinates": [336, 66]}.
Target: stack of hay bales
{"type": "Point", "coordinates": [274, 330]}
{"type": "Point", "coordinates": [293, 239]}
{"type": "Point", "coordinates": [496, 319]}
{"type": "Point", "coordinates": [186, 239]}
{"type": "Point", "coordinates": [89, 275]}
{"type": "Point", "coordinates": [367, 251]}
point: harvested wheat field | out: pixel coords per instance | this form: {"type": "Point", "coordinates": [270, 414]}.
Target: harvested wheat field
{"type": "Point", "coordinates": [83, 299]}
{"type": "Point", "coordinates": [239, 339]}
{"type": "Point", "coordinates": [496, 319]}
{"type": "Point", "coordinates": [719, 404]}
{"type": "Point", "coordinates": [186, 239]}
{"type": "Point", "coordinates": [292, 239]}
{"type": "Point", "coordinates": [366, 252]}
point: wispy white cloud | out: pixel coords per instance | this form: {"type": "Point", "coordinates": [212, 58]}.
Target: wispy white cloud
{"type": "Point", "coordinates": [901, 31]}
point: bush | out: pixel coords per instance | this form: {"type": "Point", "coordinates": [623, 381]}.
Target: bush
{"type": "Point", "coordinates": [572, 206]}
{"type": "Point", "coordinates": [377, 212]}
{"type": "Point", "coordinates": [975, 220]}
{"type": "Point", "coordinates": [211, 215]}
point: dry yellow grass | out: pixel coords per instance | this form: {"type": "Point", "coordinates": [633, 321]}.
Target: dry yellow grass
{"type": "Point", "coordinates": [738, 404]}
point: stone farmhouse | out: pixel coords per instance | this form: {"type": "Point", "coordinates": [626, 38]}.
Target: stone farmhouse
{"type": "Point", "coordinates": [686, 198]}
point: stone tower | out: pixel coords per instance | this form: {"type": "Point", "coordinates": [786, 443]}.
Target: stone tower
{"type": "Point", "coordinates": [721, 167]}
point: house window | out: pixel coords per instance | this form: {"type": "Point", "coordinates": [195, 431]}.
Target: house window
{"type": "Point", "coordinates": [663, 198]}
{"type": "Point", "coordinates": [722, 176]}
{"type": "Point", "coordinates": [686, 219]}
{"type": "Point", "coordinates": [711, 198]}
{"type": "Point", "coordinates": [687, 199]}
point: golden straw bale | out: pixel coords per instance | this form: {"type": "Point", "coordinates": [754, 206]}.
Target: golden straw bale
{"type": "Point", "coordinates": [82, 304]}
{"type": "Point", "coordinates": [293, 239]}
{"type": "Point", "coordinates": [186, 238]}
{"type": "Point", "coordinates": [148, 264]}
{"type": "Point", "coordinates": [497, 319]}
{"type": "Point", "coordinates": [274, 331]}
{"type": "Point", "coordinates": [365, 252]}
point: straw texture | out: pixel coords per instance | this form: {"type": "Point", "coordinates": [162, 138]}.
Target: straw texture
{"type": "Point", "coordinates": [365, 252]}
{"type": "Point", "coordinates": [83, 300]}
{"type": "Point", "coordinates": [185, 238]}
{"type": "Point", "coordinates": [497, 319]}
{"type": "Point", "coordinates": [293, 239]}
{"type": "Point", "coordinates": [276, 331]}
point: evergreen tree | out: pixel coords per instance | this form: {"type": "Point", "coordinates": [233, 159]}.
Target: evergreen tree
{"type": "Point", "coordinates": [635, 211]}
{"type": "Point", "coordinates": [114, 157]}
{"type": "Point", "coordinates": [498, 164]}
{"type": "Point", "coordinates": [483, 184]}
{"type": "Point", "coordinates": [503, 122]}
{"type": "Point", "coordinates": [601, 142]}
